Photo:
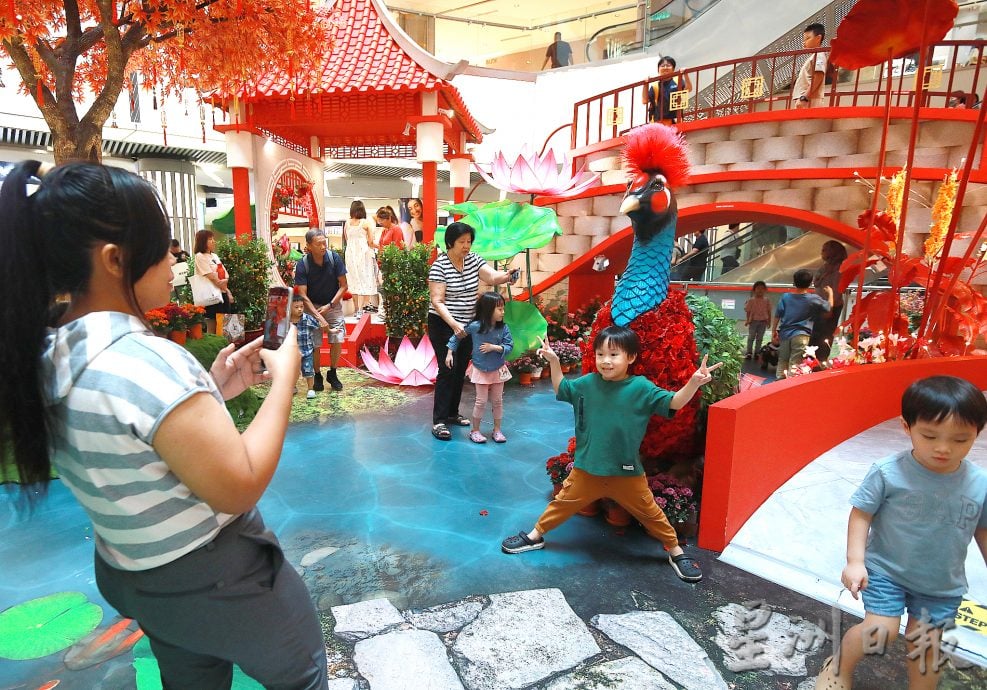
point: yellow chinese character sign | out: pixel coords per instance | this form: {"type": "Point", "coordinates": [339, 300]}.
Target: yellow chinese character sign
{"type": "Point", "coordinates": [752, 87]}
{"type": "Point", "coordinates": [932, 76]}
{"type": "Point", "coordinates": [614, 116]}
{"type": "Point", "coordinates": [678, 100]}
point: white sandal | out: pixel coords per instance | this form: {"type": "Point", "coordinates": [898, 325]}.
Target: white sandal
{"type": "Point", "coordinates": [827, 680]}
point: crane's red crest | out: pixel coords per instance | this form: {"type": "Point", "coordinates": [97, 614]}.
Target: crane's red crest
{"type": "Point", "coordinates": [657, 149]}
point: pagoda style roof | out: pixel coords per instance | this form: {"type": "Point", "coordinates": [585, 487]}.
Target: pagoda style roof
{"type": "Point", "coordinates": [370, 84]}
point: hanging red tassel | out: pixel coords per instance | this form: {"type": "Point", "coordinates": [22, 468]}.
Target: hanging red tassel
{"type": "Point", "coordinates": [164, 135]}
{"type": "Point", "coordinates": [41, 93]}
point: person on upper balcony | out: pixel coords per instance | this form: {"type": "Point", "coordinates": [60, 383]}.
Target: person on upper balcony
{"type": "Point", "coordinates": [559, 53]}
{"type": "Point", "coordinates": [807, 91]}
{"type": "Point", "coordinates": [658, 97]}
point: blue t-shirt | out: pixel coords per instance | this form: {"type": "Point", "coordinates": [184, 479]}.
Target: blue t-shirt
{"type": "Point", "coordinates": [923, 522]}
{"type": "Point", "coordinates": [487, 361]}
{"type": "Point", "coordinates": [321, 282]}
{"type": "Point", "coordinates": [797, 312]}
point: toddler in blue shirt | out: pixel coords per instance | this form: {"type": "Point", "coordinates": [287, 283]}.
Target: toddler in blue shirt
{"type": "Point", "coordinates": [910, 526]}
{"type": "Point", "coordinates": [492, 343]}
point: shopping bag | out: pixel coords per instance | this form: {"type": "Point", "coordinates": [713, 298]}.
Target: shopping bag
{"type": "Point", "coordinates": [234, 328]}
{"type": "Point", "coordinates": [204, 291]}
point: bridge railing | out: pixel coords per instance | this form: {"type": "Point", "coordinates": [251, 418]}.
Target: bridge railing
{"type": "Point", "coordinates": [764, 82]}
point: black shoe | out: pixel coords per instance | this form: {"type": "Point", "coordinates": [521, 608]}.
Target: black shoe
{"type": "Point", "coordinates": [318, 385]}
{"type": "Point", "coordinates": [520, 543]}
{"type": "Point", "coordinates": [686, 568]}
{"type": "Point", "coordinates": [334, 381]}
{"type": "Point", "coordinates": [459, 420]}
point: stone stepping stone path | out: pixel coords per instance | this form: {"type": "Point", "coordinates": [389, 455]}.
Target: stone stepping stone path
{"type": "Point", "coordinates": [533, 640]}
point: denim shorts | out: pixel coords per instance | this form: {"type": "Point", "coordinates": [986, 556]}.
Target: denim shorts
{"type": "Point", "coordinates": [308, 366]}
{"type": "Point", "coordinates": [884, 597]}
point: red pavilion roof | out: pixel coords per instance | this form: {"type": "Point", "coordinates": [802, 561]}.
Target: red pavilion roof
{"type": "Point", "coordinates": [365, 59]}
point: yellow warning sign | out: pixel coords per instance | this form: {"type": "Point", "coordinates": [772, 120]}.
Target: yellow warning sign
{"type": "Point", "coordinates": [972, 615]}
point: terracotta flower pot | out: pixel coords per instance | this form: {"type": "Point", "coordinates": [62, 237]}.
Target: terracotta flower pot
{"type": "Point", "coordinates": [687, 529]}
{"type": "Point", "coordinates": [591, 509]}
{"type": "Point", "coordinates": [546, 373]}
{"type": "Point", "coordinates": [524, 378]}
{"type": "Point", "coordinates": [617, 516]}
{"type": "Point", "coordinates": [195, 331]}
{"type": "Point", "coordinates": [178, 336]}
{"type": "Point", "coordinates": [566, 368]}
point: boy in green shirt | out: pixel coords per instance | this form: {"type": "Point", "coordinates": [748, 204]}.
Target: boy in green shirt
{"type": "Point", "coordinates": [612, 409]}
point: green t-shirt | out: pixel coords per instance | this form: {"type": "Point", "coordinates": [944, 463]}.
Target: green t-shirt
{"type": "Point", "coordinates": [611, 420]}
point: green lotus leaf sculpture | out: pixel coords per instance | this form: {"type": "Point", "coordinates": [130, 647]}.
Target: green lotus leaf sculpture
{"type": "Point", "coordinates": [149, 677]}
{"type": "Point", "coordinates": [43, 626]}
{"type": "Point", "coordinates": [527, 325]}
{"type": "Point", "coordinates": [505, 228]}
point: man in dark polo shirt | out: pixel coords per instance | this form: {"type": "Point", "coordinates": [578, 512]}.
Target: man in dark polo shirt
{"type": "Point", "coordinates": [321, 281]}
{"type": "Point", "coordinates": [558, 53]}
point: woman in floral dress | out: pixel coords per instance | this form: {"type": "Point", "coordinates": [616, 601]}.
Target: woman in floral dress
{"type": "Point", "coordinates": [361, 265]}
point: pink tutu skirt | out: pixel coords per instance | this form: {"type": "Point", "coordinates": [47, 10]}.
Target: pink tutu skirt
{"type": "Point", "coordinates": [488, 377]}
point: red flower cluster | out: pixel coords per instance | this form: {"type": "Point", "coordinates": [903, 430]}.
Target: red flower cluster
{"type": "Point", "coordinates": [559, 466]}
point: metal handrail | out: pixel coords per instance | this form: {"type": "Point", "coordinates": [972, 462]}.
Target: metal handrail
{"type": "Point", "coordinates": [718, 89]}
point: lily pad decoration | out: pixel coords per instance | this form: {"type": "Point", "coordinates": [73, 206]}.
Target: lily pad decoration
{"type": "Point", "coordinates": [505, 228]}
{"type": "Point", "coordinates": [463, 209]}
{"type": "Point", "coordinates": [149, 675]}
{"type": "Point", "coordinates": [527, 326]}
{"type": "Point", "coordinates": [46, 625]}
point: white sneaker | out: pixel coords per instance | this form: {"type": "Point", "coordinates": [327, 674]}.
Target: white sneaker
{"type": "Point", "coordinates": [310, 395]}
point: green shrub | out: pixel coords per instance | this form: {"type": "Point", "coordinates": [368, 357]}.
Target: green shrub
{"type": "Point", "coordinates": [249, 269]}
{"type": "Point", "coordinates": [404, 289]}
{"type": "Point", "coordinates": [716, 337]}
{"type": "Point", "coordinates": [244, 406]}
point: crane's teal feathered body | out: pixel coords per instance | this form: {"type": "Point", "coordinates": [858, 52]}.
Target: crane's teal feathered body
{"type": "Point", "coordinates": [644, 284]}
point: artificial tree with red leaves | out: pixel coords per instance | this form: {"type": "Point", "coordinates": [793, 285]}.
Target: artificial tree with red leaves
{"type": "Point", "coordinates": [68, 50]}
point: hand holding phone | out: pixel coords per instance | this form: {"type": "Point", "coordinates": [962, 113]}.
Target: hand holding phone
{"type": "Point", "coordinates": [514, 275]}
{"type": "Point", "coordinates": [278, 317]}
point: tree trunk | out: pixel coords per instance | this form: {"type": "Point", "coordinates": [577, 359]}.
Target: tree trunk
{"type": "Point", "coordinates": [78, 143]}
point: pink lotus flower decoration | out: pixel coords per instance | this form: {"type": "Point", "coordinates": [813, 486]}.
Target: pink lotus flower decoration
{"type": "Point", "coordinates": [535, 174]}
{"type": "Point", "coordinates": [412, 366]}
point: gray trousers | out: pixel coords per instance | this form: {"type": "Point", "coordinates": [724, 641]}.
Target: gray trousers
{"type": "Point", "coordinates": [232, 601]}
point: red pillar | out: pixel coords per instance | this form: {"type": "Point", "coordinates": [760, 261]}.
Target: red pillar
{"type": "Point", "coordinates": [458, 197]}
{"type": "Point", "coordinates": [241, 205]}
{"type": "Point", "coordinates": [430, 200]}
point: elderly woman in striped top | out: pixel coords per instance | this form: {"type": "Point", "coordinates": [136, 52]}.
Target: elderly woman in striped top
{"type": "Point", "coordinates": [453, 285]}
{"type": "Point", "coordinates": [137, 430]}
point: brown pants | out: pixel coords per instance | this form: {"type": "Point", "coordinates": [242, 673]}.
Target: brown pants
{"type": "Point", "coordinates": [632, 493]}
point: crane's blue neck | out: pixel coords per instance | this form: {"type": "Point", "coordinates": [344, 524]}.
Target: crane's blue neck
{"type": "Point", "coordinates": [644, 284]}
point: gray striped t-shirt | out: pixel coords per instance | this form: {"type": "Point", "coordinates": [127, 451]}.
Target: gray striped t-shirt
{"type": "Point", "coordinates": [111, 383]}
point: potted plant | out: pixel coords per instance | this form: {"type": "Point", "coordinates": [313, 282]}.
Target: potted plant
{"type": "Point", "coordinates": [524, 366]}
{"type": "Point", "coordinates": [178, 320]}
{"type": "Point", "coordinates": [249, 269]}
{"type": "Point", "coordinates": [558, 468]}
{"type": "Point", "coordinates": [158, 321]}
{"type": "Point", "coordinates": [404, 290]}
{"type": "Point", "coordinates": [678, 502]}
{"type": "Point", "coordinates": [569, 354]}
{"type": "Point", "coordinates": [195, 317]}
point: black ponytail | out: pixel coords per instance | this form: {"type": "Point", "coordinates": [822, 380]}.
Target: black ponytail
{"type": "Point", "coordinates": [24, 429]}
{"type": "Point", "coordinates": [46, 243]}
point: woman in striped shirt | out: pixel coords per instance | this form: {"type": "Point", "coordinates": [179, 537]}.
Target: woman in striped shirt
{"type": "Point", "coordinates": [453, 285]}
{"type": "Point", "coordinates": [137, 430]}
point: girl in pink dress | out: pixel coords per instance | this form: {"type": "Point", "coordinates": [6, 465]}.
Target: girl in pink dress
{"type": "Point", "coordinates": [491, 342]}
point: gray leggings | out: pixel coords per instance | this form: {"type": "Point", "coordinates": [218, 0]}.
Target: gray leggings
{"type": "Point", "coordinates": [755, 335]}
{"type": "Point", "coordinates": [230, 601]}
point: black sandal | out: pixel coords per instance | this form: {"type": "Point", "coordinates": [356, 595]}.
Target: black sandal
{"type": "Point", "coordinates": [459, 420]}
{"type": "Point", "coordinates": [441, 432]}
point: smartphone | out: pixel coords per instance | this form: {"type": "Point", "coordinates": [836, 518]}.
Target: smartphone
{"type": "Point", "coordinates": [278, 317]}
{"type": "Point", "coordinates": [515, 274]}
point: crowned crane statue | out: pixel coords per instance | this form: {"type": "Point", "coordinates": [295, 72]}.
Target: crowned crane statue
{"type": "Point", "coordinates": [657, 163]}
